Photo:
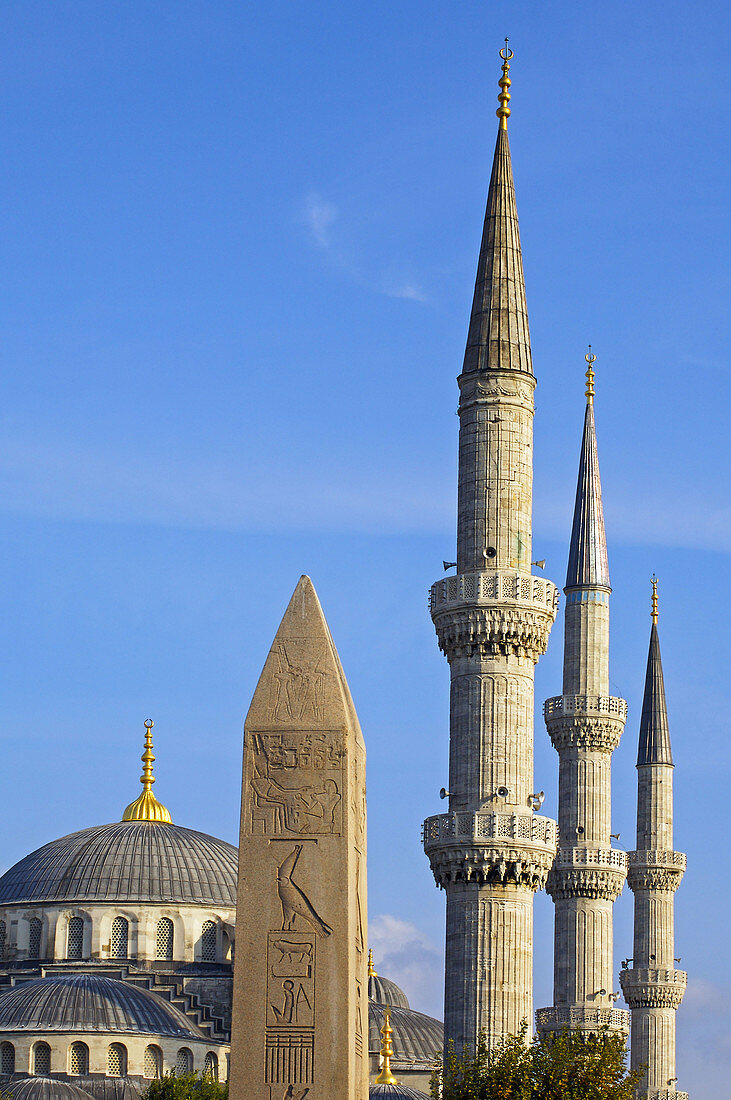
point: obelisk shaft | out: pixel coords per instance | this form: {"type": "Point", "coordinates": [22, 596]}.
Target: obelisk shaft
{"type": "Point", "coordinates": [300, 1012]}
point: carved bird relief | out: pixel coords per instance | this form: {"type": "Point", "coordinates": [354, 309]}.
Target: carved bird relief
{"type": "Point", "coordinates": [295, 902]}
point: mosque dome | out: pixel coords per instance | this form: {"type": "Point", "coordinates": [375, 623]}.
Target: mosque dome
{"type": "Point", "coordinates": [142, 861]}
{"type": "Point", "coordinates": [416, 1037]}
{"type": "Point", "coordinates": [90, 1002]}
{"type": "Point", "coordinates": [395, 1092]}
{"type": "Point", "coordinates": [385, 992]}
{"type": "Point", "coordinates": [43, 1088]}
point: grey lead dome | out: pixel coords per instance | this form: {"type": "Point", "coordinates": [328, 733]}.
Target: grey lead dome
{"type": "Point", "coordinates": [127, 861]}
{"type": "Point", "coordinates": [90, 1002]}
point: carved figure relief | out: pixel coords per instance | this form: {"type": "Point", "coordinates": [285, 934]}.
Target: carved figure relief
{"type": "Point", "coordinates": [298, 686]}
{"type": "Point", "coordinates": [294, 901]}
{"type": "Point", "coordinates": [296, 782]}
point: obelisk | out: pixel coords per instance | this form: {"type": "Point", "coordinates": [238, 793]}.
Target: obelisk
{"type": "Point", "coordinates": [300, 1008]}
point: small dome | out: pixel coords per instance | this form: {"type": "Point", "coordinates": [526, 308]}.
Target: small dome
{"type": "Point", "coordinates": [90, 1002]}
{"type": "Point", "coordinates": [416, 1037]}
{"type": "Point", "coordinates": [396, 1092]}
{"type": "Point", "coordinates": [385, 992]}
{"type": "Point", "coordinates": [43, 1088]}
{"type": "Point", "coordinates": [127, 861]}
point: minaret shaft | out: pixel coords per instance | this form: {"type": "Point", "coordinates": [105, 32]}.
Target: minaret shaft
{"type": "Point", "coordinates": [490, 852]}
{"type": "Point", "coordinates": [652, 987]}
{"type": "Point", "coordinates": [585, 725]}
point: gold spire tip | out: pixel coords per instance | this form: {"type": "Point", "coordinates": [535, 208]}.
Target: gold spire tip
{"type": "Point", "coordinates": [591, 360]}
{"type": "Point", "coordinates": [385, 1077]}
{"type": "Point", "coordinates": [371, 968]}
{"type": "Point", "coordinates": [653, 582]}
{"type": "Point", "coordinates": [146, 807]}
{"type": "Point", "coordinates": [503, 111]}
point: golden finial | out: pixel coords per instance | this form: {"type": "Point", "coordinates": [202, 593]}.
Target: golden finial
{"type": "Point", "coordinates": [591, 360]}
{"type": "Point", "coordinates": [385, 1077]}
{"type": "Point", "coordinates": [371, 968]}
{"type": "Point", "coordinates": [503, 111]}
{"type": "Point", "coordinates": [653, 581]}
{"type": "Point", "coordinates": [146, 807]}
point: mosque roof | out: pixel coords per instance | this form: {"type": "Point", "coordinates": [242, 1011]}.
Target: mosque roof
{"type": "Point", "coordinates": [385, 992]}
{"type": "Point", "coordinates": [396, 1092]}
{"type": "Point", "coordinates": [143, 861]}
{"type": "Point", "coordinates": [416, 1037]}
{"type": "Point", "coordinates": [93, 1003]}
{"type": "Point", "coordinates": [43, 1088]}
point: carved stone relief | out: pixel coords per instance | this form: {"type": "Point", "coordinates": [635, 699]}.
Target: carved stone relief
{"type": "Point", "coordinates": [296, 783]}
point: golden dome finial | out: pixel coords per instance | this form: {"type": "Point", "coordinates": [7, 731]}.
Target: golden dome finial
{"type": "Point", "coordinates": [591, 360]}
{"type": "Point", "coordinates": [503, 111]}
{"type": "Point", "coordinates": [146, 807]}
{"type": "Point", "coordinates": [371, 968]}
{"type": "Point", "coordinates": [653, 581]}
{"type": "Point", "coordinates": [385, 1077]}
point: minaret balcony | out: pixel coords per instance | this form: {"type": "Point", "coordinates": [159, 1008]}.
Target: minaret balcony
{"type": "Point", "coordinates": [648, 987]}
{"type": "Point", "coordinates": [587, 873]}
{"type": "Point", "coordinates": [582, 1018]}
{"type": "Point", "coordinates": [500, 612]}
{"type": "Point", "coordinates": [591, 722]}
{"type": "Point", "coordinates": [490, 846]}
{"type": "Point", "coordinates": [664, 1094]}
{"type": "Point", "coordinates": [656, 869]}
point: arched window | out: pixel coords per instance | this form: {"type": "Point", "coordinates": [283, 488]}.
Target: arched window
{"type": "Point", "coordinates": [75, 940]}
{"type": "Point", "coordinates": [153, 1062]}
{"type": "Point", "coordinates": [208, 941]}
{"type": "Point", "coordinates": [117, 1060]}
{"type": "Point", "coordinates": [184, 1061]}
{"type": "Point", "coordinates": [35, 927]}
{"type": "Point", "coordinates": [3, 933]}
{"type": "Point", "coordinates": [120, 938]}
{"type": "Point", "coordinates": [41, 1059]}
{"type": "Point", "coordinates": [210, 1066]}
{"type": "Point", "coordinates": [78, 1059]}
{"type": "Point", "coordinates": [164, 939]}
{"type": "Point", "coordinates": [7, 1058]}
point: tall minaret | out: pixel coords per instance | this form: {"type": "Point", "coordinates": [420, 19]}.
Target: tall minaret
{"type": "Point", "coordinates": [652, 987]}
{"type": "Point", "coordinates": [491, 852]}
{"type": "Point", "coordinates": [585, 725]}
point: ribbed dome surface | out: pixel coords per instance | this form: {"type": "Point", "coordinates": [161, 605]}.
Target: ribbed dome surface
{"type": "Point", "coordinates": [43, 1088]}
{"type": "Point", "coordinates": [385, 992]}
{"type": "Point", "coordinates": [416, 1037]}
{"type": "Point", "coordinates": [90, 1002]}
{"type": "Point", "coordinates": [396, 1092]}
{"type": "Point", "coordinates": [127, 861]}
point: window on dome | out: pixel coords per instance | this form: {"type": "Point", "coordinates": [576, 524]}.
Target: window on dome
{"type": "Point", "coordinates": [164, 939]}
{"type": "Point", "coordinates": [35, 928]}
{"type": "Point", "coordinates": [75, 941]}
{"type": "Point", "coordinates": [120, 938]}
{"type": "Point", "coordinates": [210, 1066]}
{"type": "Point", "coordinates": [78, 1059]}
{"type": "Point", "coordinates": [152, 1066]}
{"type": "Point", "coordinates": [7, 1058]}
{"type": "Point", "coordinates": [41, 1059]}
{"type": "Point", "coordinates": [208, 941]}
{"type": "Point", "coordinates": [3, 933]}
{"type": "Point", "coordinates": [184, 1061]}
{"type": "Point", "coordinates": [117, 1060]}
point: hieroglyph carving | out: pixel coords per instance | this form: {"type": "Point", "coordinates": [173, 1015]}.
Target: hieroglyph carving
{"type": "Point", "coordinates": [298, 683]}
{"type": "Point", "coordinates": [296, 783]}
{"type": "Point", "coordinates": [294, 901]}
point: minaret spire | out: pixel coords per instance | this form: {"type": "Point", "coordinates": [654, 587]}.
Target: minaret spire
{"type": "Point", "coordinates": [585, 724]}
{"type": "Point", "coordinates": [652, 987]}
{"type": "Point", "coordinates": [491, 851]}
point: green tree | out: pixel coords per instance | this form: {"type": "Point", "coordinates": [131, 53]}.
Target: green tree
{"type": "Point", "coordinates": [569, 1066]}
{"type": "Point", "coordinates": [186, 1086]}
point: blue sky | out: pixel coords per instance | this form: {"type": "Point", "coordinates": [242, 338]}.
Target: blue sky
{"type": "Point", "coordinates": [238, 249]}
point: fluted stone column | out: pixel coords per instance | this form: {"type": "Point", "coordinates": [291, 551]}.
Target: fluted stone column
{"type": "Point", "coordinates": [490, 852]}
{"type": "Point", "coordinates": [652, 987]}
{"type": "Point", "coordinates": [585, 725]}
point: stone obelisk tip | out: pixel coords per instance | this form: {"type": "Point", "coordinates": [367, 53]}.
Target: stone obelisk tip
{"type": "Point", "coordinates": [300, 1021]}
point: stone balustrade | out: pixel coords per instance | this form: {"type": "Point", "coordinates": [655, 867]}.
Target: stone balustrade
{"type": "Point", "coordinates": [489, 825]}
{"type": "Point", "coordinates": [582, 1018]}
{"type": "Point", "coordinates": [561, 705]}
{"type": "Point", "coordinates": [504, 586]}
{"type": "Point", "coordinates": [591, 857]}
{"type": "Point", "coordinates": [490, 846]}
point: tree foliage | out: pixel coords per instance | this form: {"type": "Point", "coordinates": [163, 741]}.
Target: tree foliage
{"type": "Point", "coordinates": [186, 1086]}
{"type": "Point", "coordinates": [569, 1066]}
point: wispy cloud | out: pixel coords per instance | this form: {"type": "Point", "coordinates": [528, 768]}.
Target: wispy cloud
{"type": "Point", "coordinates": [408, 957]}
{"type": "Point", "coordinates": [320, 216]}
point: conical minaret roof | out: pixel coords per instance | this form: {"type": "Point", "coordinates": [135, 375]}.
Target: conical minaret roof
{"type": "Point", "coordinates": [654, 747]}
{"type": "Point", "coordinates": [498, 337]}
{"type": "Point", "coordinates": [588, 564]}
